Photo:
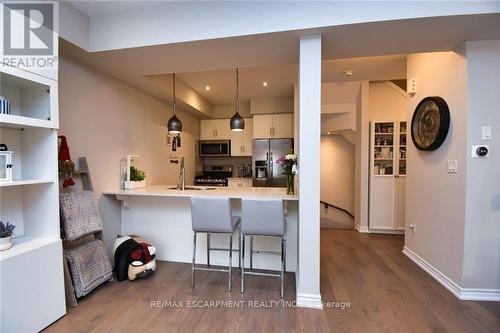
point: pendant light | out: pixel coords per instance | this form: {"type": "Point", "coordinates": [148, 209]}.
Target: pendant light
{"type": "Point", "coordinates": [237, 121]}
{"type": "Point", "coordinates": [174, 124]}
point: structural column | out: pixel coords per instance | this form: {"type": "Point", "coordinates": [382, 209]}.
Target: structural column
{"type": "Point", "coordinates": [308, 149]}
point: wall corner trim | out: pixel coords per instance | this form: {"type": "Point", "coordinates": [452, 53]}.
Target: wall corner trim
{"type": "Point", "coordinates": [363, 229]}
{"type": "Point", "coordinates": [469, 294]}
{"type": "Point", "coordinates": [309, 301]}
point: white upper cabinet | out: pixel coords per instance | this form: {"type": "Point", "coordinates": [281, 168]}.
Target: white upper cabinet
{"type": "Point", "coordinates": [215, 129]}
{"type": "Point", "coordinates": [241, 142]}
{"type": "Point", "coordinates": [273, 126]}
{"type": "Point", "coordinates": [283, 126]}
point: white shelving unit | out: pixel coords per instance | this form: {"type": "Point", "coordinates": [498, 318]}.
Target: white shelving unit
{"type": "Point", "coordinates": [31, 280]}
{"type": "Point", "coordinates": [387, 176]}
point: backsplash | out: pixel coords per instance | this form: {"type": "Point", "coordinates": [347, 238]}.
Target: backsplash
{"type": "Point", "coordinates": [235, 162]}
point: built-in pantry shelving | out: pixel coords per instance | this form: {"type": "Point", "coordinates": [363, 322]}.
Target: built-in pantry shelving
{"type": "Point", "coordinates": [32, 281]}
{"type": "Point", "coordinates": [387, 176]}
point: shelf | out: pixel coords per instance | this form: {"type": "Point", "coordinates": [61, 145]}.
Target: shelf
{"type": "Point", "coordinates": [13, 121]}
{"type": "Point", "coordinates": [382, 146]}
{"type": "Point", "coordinates": [25, 182]}
{"type": "Point", "coordinates": [24, 244]}
{"type": "Point", "coordinates": [376, 133]}
{"type": "Point", "coordinates": [383, 159]}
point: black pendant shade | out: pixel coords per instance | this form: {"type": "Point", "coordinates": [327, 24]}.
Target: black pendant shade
{"type": "Point", "coordinates": [237, 122]}
{"type": "Point", "coordinates": [174, 124]}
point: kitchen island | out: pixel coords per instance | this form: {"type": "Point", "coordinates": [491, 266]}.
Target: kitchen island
{"type": "Point", "coordinates": [162, 215]}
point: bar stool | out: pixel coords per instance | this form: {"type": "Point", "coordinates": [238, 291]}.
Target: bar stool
{"type": "Point", "coordinates": [213, 216]}
{"type": "Point", "coordinates": [262, 217]}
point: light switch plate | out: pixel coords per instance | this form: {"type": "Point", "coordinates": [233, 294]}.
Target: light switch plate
{"type": "Point", "coordinates": [412, 86]}
{"type": "Point", "coordinates": [486, 132]}
{"type": "Point", "coordinates": [452, 166]}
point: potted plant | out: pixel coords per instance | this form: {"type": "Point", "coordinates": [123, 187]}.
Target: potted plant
{"type": "Point", "coordinates": [6, 231]}
{"type": "Point", "coordinates": [136, 180]}
{"type": "Point", "coordinates": [288, 164]}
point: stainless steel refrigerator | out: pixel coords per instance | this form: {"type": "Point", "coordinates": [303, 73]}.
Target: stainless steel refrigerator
{"type": "Point", "coordinates": [267, 173]}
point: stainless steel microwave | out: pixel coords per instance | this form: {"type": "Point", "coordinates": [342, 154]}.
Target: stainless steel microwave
{"type": "Point", "coordinates": [215, 148]}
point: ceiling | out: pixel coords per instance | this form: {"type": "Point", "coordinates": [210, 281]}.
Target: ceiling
{"type": "Point", "coordinates": [98, 8]}
{"type": "Point", "coordinates": [358, 46]}
{"type": "Point", "coordinates": [281, 78]}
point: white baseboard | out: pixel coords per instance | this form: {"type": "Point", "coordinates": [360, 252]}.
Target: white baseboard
{"type": "Point", "coordinates": [473, 294]}
{"type": "Point", "coordinates": [470, 294]}
{"type": "Point", "coordinates": [309, 301]}
{"type": "Point", "coordinates": [363, 229]}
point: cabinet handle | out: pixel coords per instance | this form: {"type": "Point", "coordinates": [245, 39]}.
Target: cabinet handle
{"type": "Point", "coordinates": [270, 131]}
{"type": "Point", "coordinates": [274, 131]}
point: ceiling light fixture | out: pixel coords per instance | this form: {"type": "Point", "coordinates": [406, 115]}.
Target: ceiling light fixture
{"type": "Point", "coordinates": [174, 124]}
{"type": "Point", "coordinates": [207, 88]}
{"type": "Point", "coordinates": [237, 122]}
{"type": "Point", "coordinates": [264, 84]}
{"type": "Point", "coordinates": [348, 73]}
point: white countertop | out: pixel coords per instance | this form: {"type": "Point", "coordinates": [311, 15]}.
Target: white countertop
{"type": "Point", "coordinates": [233, 193]}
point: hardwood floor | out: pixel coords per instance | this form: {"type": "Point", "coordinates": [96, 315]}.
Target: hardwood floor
{"type": "Point", "coordinates": [387, 293]}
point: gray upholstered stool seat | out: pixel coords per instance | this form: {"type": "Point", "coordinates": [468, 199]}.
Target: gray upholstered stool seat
{"type": "Point", "coordinates": [213, 216]}
{"type": "Point", "coordinates": [262, 217]}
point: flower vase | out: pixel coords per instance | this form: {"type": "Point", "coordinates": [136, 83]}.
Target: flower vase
{"type": "Point", "coordinates": [290, 184]}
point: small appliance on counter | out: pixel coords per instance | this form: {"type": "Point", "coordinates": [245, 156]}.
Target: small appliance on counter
{"type": "Point", "coordinates": [244, 170]}
{"type": "Point", "coordinates": [214, 175]}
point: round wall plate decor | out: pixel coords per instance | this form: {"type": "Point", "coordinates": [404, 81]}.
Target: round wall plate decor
{"type": "Point", "coordinates": [430, 123]}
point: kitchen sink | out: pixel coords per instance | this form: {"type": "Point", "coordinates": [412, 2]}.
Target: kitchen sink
{"type": "Point", "coordinates": [191, 188]}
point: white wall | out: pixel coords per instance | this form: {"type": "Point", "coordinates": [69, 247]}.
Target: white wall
{"type": "Point", "coordinates": [309, 115]}
{"type": "Point", "coordinates": [481, 267]}
{"type": "Point", "coordinates": [176, 22]}
{"type": "Point", "coordinates": [105, 120]}
{"type": "Point", "coordinates": [388, 102]}
{"type": "Point", "coordinates": [435, 200]}
{"type": "Point", "coordinates": [337, 180]}
{"type": "Point", "coordinates": [271, 105]}
{"type": "Point", "coordinates": [362, 158]}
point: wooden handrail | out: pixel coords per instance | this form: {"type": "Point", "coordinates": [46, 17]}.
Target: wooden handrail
{"type": "Point", "coordinates": [336, 207]}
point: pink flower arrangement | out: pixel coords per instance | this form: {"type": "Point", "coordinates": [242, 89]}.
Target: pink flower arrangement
{"type": "Point", "coordinates": [288, 163]}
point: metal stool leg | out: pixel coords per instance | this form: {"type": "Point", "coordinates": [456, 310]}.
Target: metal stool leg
{"type": "Point", "coordinates": [230, 261]}
{"type": "Point", "coordinates": [251, 252]}
{"type": "Point", "coordinates": [239, 254]}
{"type": "Point", "coordinates": [282, 265]}
{"type": "Point", "coordinates": [242, 253]}
{"type": "Point", "coordinates": [208, 249]}
{"type": "Point", "coordinates": [194, 256]}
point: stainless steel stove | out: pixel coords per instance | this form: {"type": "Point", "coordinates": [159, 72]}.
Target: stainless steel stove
{"type": "Point", "coordinates": [214, 175]}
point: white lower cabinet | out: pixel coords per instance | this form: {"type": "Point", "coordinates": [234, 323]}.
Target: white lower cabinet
{"type": "Point", "coordinates": [235, 183]}
{"type": "Point", "coordinates": [31, 285]}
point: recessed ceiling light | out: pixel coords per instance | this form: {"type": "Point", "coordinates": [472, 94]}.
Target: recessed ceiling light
{"type": "Point", "coordinates": [264, 84]}
{"type": "Point", "coordinates": [348, 73]}
{"type": "Point", "coordinates": [328, 133]}
{"type": "Point", "coordinates": [207, 88]}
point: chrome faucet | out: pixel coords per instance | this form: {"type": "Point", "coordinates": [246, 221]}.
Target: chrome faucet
{"type": "Point", "coordinates": [182, 176]}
